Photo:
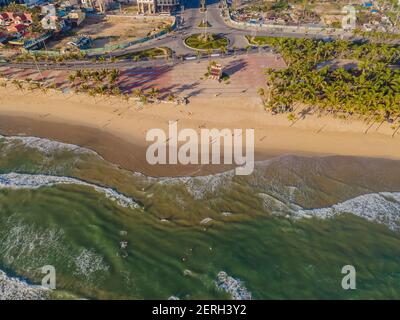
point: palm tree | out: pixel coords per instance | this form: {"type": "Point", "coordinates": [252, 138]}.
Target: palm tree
{"type": "Point", "coordinates": [143, 99]}
{"type": "Point", "coordinates": [137, 92]}
{"type": "Point", "coordinates": [3, 84]}
{"type": "Point", "coordinates": [154, 93]}
{"type": "Point", "coordinates": [223, 50]}
{"type": "Point", "coordinates": [92, 93]}
{"type": "Point", "coordinates": [126, 97]}
{"type": "Point", "coordinates": [113, 76]}
{"type": "Point", "coordinates": [84, 87]}
{"type": "Point", "coordinates": [71, 78]}
{"type": "Point", "coordinates": [115, 91]}
{"type": "Point", "coordinates": [171, 97]}
{"type": "Point", "coordinates": [43, 89]}
{"type": "Point", "coordinates": [78, 73]}
{"type": "Point", "coordinates": [18, 84]}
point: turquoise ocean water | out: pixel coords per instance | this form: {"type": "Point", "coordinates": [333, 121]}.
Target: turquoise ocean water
{"type": "Point", "coordinates": [286, 231]}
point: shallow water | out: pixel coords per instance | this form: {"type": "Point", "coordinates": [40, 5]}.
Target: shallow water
{"type": "Point", "coordinates": [61, 206]}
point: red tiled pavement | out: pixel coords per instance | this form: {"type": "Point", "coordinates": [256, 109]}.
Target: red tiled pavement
{"type": "Point", "coordinates": [246, 75]}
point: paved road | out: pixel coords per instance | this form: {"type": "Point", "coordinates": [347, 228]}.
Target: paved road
{"type": "Point", "coordinates": [185, 80]}
{"type": "Point", "coordinates": [190, 18]}
{"type": "Point", "coordinates": [123, 64]}
{"type": "Point", "coordinates": [188, 21]}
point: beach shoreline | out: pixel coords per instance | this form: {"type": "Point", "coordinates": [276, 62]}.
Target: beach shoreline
{"type": "Point", "coordinates": [116, 129]}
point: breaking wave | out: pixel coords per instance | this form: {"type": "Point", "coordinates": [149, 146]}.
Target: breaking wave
{"type": "Point", "coordinates": [12, 288]}
{"type": "Point", "coordinates": [35, 181]}
{"type": "Point", "coordinates": [382, 207]}
{"type": "Point", "coordinates": [89, 262]}
{"type": "Point", "coordinates": [199, 186]}
{"type": "Point", "coordinates": [234, 287]}
{"type": "Point", "coordinates": [47, 146]}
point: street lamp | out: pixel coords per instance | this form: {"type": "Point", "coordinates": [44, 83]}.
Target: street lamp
{"type": "Point", "coordinates": [203, 5]}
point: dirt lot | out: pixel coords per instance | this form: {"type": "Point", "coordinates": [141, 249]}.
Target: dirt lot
{"type": "Point", "coordinates": [114, 30]}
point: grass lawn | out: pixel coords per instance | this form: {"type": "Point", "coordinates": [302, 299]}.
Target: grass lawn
{"type": "Point", "coordinates": [215, 42]}
{"type": "Point", "coordinates": [203, 24]}
{"type": "Point", "coordinates": [257, 41]}
{"type": "Point", "coordinates": [150, 53]}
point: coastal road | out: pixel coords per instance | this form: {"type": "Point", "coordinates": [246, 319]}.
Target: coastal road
{"type": "Point", "coordinates": [188, 22]}
{"type": "Point", "coordinates": [185, 80]}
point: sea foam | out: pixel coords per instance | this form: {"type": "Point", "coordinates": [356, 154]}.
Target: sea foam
{"type": "Point", "coordinates": [47, 146]}
{"type": "Point", "coordinates": [234, 287]}
{"type": "Point", "coordinates": [35, 181]}
{"type": "Point", "coordinates": [382, 207]}
{"type": "Point", "coordinates": [199, 186]}
{"type": "Point", "coordinates": [12, 288]}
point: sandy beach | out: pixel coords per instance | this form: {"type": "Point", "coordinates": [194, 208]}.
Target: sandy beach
{"type": "Point", "coordinates": [116, 129]}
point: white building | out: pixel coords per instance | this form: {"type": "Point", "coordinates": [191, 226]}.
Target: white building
{"type": "Point", "coordinates": [51, 22]}
{"type": "Point", "coordinates": [101, 5]}
{"type": "Point", "coordinates": [49, 9]}
{"type": "Point", "coordinates": [153, 6]}
{"type": "Point", "coordinates": [146, 6]}
{"type": "Point", "coordinates": [166, 5]}
{"type": "Point", "coordinates": [77, 17]}
{"type": "Point", "coordinates": [70, 3]}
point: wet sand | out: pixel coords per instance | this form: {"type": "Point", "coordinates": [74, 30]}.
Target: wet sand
{"type": "Point", "coordinates": [116, 129]}
{"type": "Point", "coordinates": [125, 154]}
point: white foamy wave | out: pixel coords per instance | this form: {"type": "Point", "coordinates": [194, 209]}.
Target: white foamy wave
{"type": "Point", "coordinates": [12, 288]}
{"type": "Point", "coordinates": [383, 207]}
{"type": "Point", "coordinates": [234, 287]}
{"type": "Point", "coordinates": [198, 187]}
{"type": "Point", "coordinates": [275, 205]}
{"type": "Point", "coordinates": [24, 245]}
{"type": "Point", "coordinates": [89, 262]}
{"type": "Point", "coordinates": [35, 181]}
{"type": "Point", "coordinates": [47, 146]}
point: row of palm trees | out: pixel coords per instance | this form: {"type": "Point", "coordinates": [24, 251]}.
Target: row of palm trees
{"type": "Point", "coordinates": [377, 35]}
{"type": "Point", "coordinates": [104, 83]}
{"type": "Point", "coordinates": [145, 97]}
{"type": "Point", "coordinates": [58, 58]}
{"type": "Point", "coordinates": [96, 76]}
{"type": "Point", "coordinates": [95, 83]}
{"type": "Point", "coordinates": [27, 84]}
{"type": "Point", "coordinates": [371, 89]}
{"type": "Point", "coordinates": [319, 51]}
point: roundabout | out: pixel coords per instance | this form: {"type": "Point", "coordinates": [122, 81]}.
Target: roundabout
{"type": "Point", "coordinates": [201, 41]}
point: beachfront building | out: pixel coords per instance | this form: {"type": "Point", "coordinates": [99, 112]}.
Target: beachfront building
{"type": "Point", "coordinates": [166, 5]}
{"type": "Point", "coordinates": [101, 5]}
{"type": "Point", "coordinates": [153, 6]}
{"type": "Point", "coordinates": [5, 18]}
{"type": "Point", "coordinates": [146, 6]}
{"type": "Point", "coordinates": [51, 22]}
{"type": "Point", "coordinates": [76, 17]}
{"type": "Point", "coordinates": [49, 9]}
{"type": "Point", "coordinates": [17, 29]}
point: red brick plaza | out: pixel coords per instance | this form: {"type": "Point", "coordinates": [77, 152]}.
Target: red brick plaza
{"type": "Point", "coordinates": [246, 74]}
